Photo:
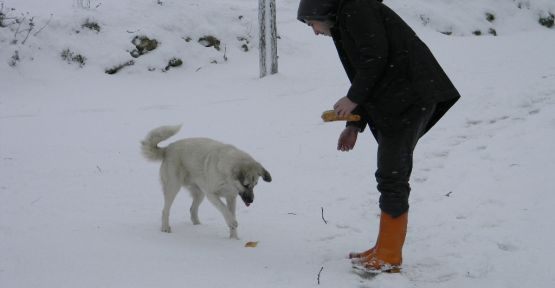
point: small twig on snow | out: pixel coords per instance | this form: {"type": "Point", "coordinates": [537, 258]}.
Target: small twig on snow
{"type": "Point", "coordinates": [319, 274]}
{"type": "Point", "coordinates": [36, 200]}
{"type": "Point", "coordinates": [323, 216]}
{"type": "Point", "coordinates": [31, 26]}
{"type": "Point", "coordinates": [19, 22]}
{"type": "Point", "coordinates": [47, 22]}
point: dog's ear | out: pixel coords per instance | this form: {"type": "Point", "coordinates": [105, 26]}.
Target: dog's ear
{"type": "Point", "coordinates": [265, 175]}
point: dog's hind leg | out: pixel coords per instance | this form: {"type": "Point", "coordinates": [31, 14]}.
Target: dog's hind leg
{"type": "Point", "coordinates": [198, 196]}
{"type": "Point", "coordinates": [170, 191]}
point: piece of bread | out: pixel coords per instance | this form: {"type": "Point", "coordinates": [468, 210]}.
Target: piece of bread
{"type": "Point", "coordinates": [330, 115]}
{"type": "Point", "coordinates": [251, 244]}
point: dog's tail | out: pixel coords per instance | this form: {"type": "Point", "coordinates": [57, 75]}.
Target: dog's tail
{"type": "Point", "coordinates": [149, 146]}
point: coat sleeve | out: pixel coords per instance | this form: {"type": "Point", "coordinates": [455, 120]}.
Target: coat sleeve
{"type": "Point", "coordinates": [364, 24]}
{"type": "Point", "coordinates": [351, 75]}
{"type": "Point", "coordinates": [360, 125]}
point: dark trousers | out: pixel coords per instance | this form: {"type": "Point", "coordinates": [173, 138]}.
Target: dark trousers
{"type": "Point", "coordinates": [395, 153]}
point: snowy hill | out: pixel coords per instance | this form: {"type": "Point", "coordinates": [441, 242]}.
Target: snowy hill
{"type": "Point", "coordinates": [104, 34]}
{"type": "Point", "coordinates": [80, 207]}
{"type": "Point", "coordinates": [479, 17]}
{"type": "Point", "coordinates": [100, 34]}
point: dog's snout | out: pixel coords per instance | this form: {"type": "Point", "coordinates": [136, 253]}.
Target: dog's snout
{"type": "Point", "coordinates": [248, 198]}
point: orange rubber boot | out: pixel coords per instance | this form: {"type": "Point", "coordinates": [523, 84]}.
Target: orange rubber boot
{"type": "Point", "coordinates": [356, 255]}
{"type": "Point", "coordinates": [387, 256]}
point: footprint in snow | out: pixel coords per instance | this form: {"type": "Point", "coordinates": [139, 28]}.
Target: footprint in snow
{"type": "Point", "coordinates": [481, 147]}
{"type": "Point", "coordinates": [533, 112]}
{"type": "Point", "coordinates": [471, 123]}
{"type": "Point", "coordinates": [420, 179]}
{"type": "Point", "coordinates": [507, 247]}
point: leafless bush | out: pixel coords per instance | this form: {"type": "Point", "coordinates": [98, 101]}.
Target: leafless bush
{"type": "Point", "coordinates": [22, 25]}
{"type": "Point", "coordinates": [91, 25]}
{"type": "Point", "coordinates": [6, 18]}
{"type": "Point", "coordinates": [547, 20]}
{"type": "Point", "coordinates": [14, 59]}
{"type": "Point", "coordinates": [71, 57]}
{"type": "Point", "coordinates": [87, 4]}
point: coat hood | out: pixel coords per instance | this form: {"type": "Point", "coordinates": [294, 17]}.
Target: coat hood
{"type": "Point", "coordinates": [321, 10]}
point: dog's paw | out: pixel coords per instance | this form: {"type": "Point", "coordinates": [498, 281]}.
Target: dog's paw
{"type": "Point", "coordinates": [195, 221]}
{"type": "Point", "coordinates": [233, 224]}
{"type": "Point", "coordinates": [233, 234]}
{"type": "Point", "coordinates": [166, 229]}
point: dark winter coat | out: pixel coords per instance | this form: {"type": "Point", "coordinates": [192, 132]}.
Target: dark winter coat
{"type": "Point", "coordinates": [392, 72]}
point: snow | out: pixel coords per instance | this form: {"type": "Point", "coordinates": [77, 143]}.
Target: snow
{"type": "Point", "coordinates": [80, 207]}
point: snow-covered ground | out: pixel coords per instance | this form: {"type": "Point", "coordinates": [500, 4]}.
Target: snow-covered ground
{"type": "Point", "coordinates": [80, 207]}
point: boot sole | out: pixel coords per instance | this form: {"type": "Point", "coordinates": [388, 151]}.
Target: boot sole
{"type": "Point", "coordinates": [371, 273]}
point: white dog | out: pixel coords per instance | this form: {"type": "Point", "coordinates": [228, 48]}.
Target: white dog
{"type": "Point", "coordinates": [206, 168]}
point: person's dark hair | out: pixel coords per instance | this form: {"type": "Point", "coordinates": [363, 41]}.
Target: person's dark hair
{"type": "Point", "coordinates": [320, 10]}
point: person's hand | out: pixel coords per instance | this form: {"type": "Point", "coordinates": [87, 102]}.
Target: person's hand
{"type": "Point", "coordinates": [347, 139]}
{"type": "Point", "coordinates": [344, 106]}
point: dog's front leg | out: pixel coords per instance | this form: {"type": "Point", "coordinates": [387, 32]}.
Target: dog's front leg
{"type": "Point", "coordinates": [228, 216]}
{"type": "Point", "coordinates": [231, 204]}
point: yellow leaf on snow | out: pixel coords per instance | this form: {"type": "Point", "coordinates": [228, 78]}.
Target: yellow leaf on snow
{"type": "Point", "coordinates": [251, 244]}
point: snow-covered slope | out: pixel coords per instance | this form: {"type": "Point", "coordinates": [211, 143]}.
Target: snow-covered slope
{"type": "Point", "coordinates": [478, 17]}
{"type": "Point", "coordinates": [80, 207]}
{"type": "Point", "coordinates": [104, 34]}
